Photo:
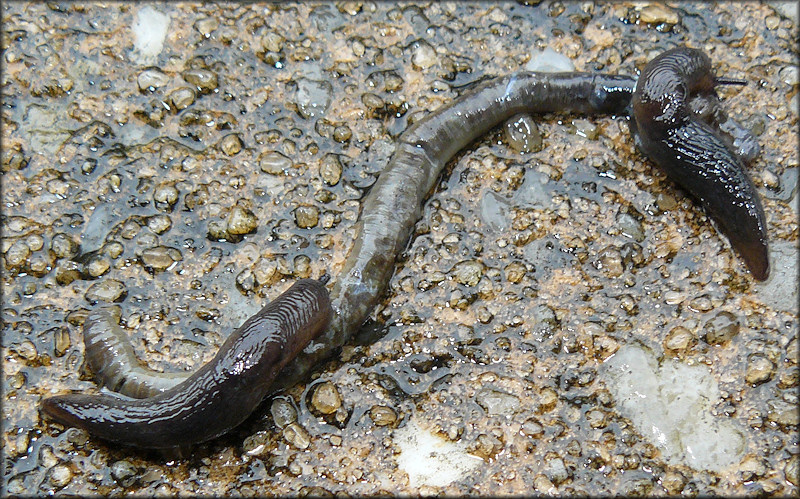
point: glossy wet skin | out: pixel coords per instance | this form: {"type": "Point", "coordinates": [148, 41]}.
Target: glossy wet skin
{"type": "Point", "coordinates": [676, 118]}
{"type": "Point", "coordinates": [677, 121]}
{"type": "Point", "coordinates": [217, 397]}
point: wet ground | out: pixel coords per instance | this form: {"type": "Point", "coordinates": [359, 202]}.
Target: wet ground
{"type": "Point", "coordinates": [193, 185]}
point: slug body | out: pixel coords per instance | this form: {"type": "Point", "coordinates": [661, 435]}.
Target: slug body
{"type": "Point", "coordinates": [678, 123]}
{"type": "Point", "coordinates": [219, 395]}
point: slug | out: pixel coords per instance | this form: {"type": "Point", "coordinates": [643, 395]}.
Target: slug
{"type": "Point", "coordinates": [219, 395]}
{"type": "Point", "coordinates": [676, 121]}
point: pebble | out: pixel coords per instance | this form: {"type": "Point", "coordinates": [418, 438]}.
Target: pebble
{"type": "Point", "coordinates": [515, 271]}
{"type": "Point", "coordinates": [241, 221]}
{"type": "Point", "coordinates": [721, 329]}
{"type": "Point", "coordinates": [17, 254]}
{"type": "Point", "coordinates": [98, 265]}
{"type": "Point", "coordinates": [630, 227]}
{"type": "Point", "coordinates": [61, 341]}
{"type": "Point", "coordinates": [283, 412]}
{"type": "Point", "coordinates": [556, 471]}
{"type": "Point", "coordinates": [586, 128]}
{"type": "Point", "coordinates": [342, 133]}
{"type": "Point", "coordinates": [497, 403]}
{"type": "Point", "coordinates": [678, 340]}
{"type": "Point", "coordinates": [272, 42]}
{"type": "Point", "coordinates": [159, 223]}
{"type": "Point", "coordinates": [532, 428]}
{"type": "Point", "coordinates": [256, 443]}
{"type": "Point", "coordinates": [206, 25]}
{"type": "Point", "coordinates": [792, 471]}
{"type": "Point", "coordinates": [203, 79]}
{"type": "Point", "coordinates": [231, 144]}
{"type": "Point", "coordinates": [166, 194]}
{"type": "Point", "coordinates": [547, 399]}
{"type": "Point", "coordinates": [67, 271]}
{"type": "Point", "coordinates": [151, 79]}
{"type": "Point", "coordinates": [657, 14]}
{"type": "Point", "coordinates": [60, 475]}
{"type": "Point", "coordinates": [182, 97]}
{"type": "Point", "coordinates": [487, 446]}
{"type": "Point", "coordinates": [159, 258]}
{"type": "Point", "coordinates": [424, 55]}
{"type": "Point", "coordinates": [468, 272]}
{"type": "Point", "coordinates": [107, 290]}
{"type": "Point", "coordinates": [63, 246]}
{"type": "Point", "coordinates": [759, 369]}
{"type": "Point", "coordinates": [331, 169]}
{"type": "Point", "coordinates": [382, 415]}
{"type": "Point", "coordinates": [297, 436]}
{"type": "Point", "coordinates": [274, 162]}
{"type": "Point", "coordinates": [522, 134]}
{"type": "Point", "coordinates": [306, 217]}
{"type": "Point", "coordinates": [121, 470]}
{"type": "Point", "coordinates": [610, 262]}
{"type": "Point", "coordinates": [326, 398]}
{"type": "Point", "coordinates": [673, 482]}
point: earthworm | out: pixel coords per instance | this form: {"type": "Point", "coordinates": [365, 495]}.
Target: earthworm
{"type": "Point", "coordinates": [219, 395]}
{"type": "Point", "coordinates": [389, 212]}
{"type": "Point", "coordinates": [677, 120]}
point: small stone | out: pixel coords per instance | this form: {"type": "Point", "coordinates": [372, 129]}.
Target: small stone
{"type": "Point", "coordinates": [331, 169]}
{"type": "Point", "coordinates": [515, 271]}
{"type": "Point", "coordinates": [231, 144]}
{"type": "Point", "coordinates": [497, 403]}
{"type": "Point", "coordinates": [297, 436]}
{"type": "Point", "coordinates": [206, 25]}
{"type": "Point", "coordinates": [151, 79]}
{"type": "Point", "coordinates": [274, 162]}
{"type": "Point", "coordinates": [166, 194]}
{"type": "Point", "coordinates": [468, 272]}
{"type": "Point", "coordinates": [792, 471]}
{"type": "Point", "coordinates": [158, 259]}
{"type": "Point", "coordinates": [673, 482]}
{"type": "Point", "coordinates": [657, 14]}
{"type": "Point", "coordinates": [487, 446]}
{"type": "Point", "coordinates": [678, 340]}
{"type": "Point", "coordinates": [382, 415]}
{"type": "Point", "coordinates": [217, 230]}
{"type": "Point", "coordinates": [272, 42]}
{"type": "Point", "coordinates": [630, 227]}
{"type": "Point", "coordinates": [63, 246]}
{"type": "Point", "coordinates": [306, 217]}
{"type": "Point", "coordinates": [241, 221]}
{"type": "Point", "coordinates": [547, 399]}
{"type": "Point", "coordinates": [326, 398]}
{"type": "Point", "coordinates": [98, 265]}
{"type": "Point", "coordinates": [721, 329]}
{"type": "Point", "coordinates": [342, 133]}
{"type": "Point", "coordinates": [610, 262]}
{"type": "Point", "coordinates": [586, 128]}
{"type": "Point", "coordinates": [182, 97]}
{"type": "Point", "coordinates": [556, 471]}
{"type": "Point", "coordinates": [759, 369]}
{"type": "Point", "coordinates": [60, 475]}
{"type": "Point", "coordinates": [522, 134]}
{"type": "Point", "coordinates": [67, 271]}
{"type": "Point", "coordinates": [255, 444]}
{"type": "Point", "coordinates": [121, 470]}
{"type": "Point", "coordinates": [159, 223]}
{"type": "Point", "coordinates": [532, 428]}
{"type": "Point", "coordinates": [61, 341]}
{"type": "Point", "coordinates": [283, 412]}
{"type": "Point", "coordinates": [203, 79]}
{"type": "Point", "coordinates": [108, 291]}
{"type": "Point", "coordinates": [17, 254]}
{"type": "Point", "coordinates": [424, 55]}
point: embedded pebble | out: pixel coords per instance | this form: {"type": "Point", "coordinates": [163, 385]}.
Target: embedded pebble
{"type": "Point", "coordinates": [759, 369]}
{"type": "Point", "coordinates": [274, 162]}
{"type": "Point", "coordinates": [630, 227]}
{"type": "Point", "coordinates": [63, 246]}
{"type": "Point", "coordinates": [330, 169]}
{"type": "Point", "coordinates": [297, 436]}
{"type": "Point", "coordinates": [382, 415]}
{"type": "Point", "coordinates": [121, 470]}
{"type": "Point", "coordinates": [182, 97]}
{"type": "Point", "coordinates": [159, 223]}
{"type": "Point", "coordinates": [107, 290]}
{"type": "Point", "coordinates": [657, 14]}
{"type": "Point", "coordinates": [159, 258]}
{"type": "Point", "coordinates": [424, 55]}
{"type": "Point", "coordinates": [166, 194]}
{"type": "Point", "coordinates": [151, 79]}
{"type": "Point", "coordinates": [556, 471]}
{"type": "Point", "coordinates": [60, 475]}
{"type": "Point", "coordinates": [312, 97]}
{"type": "Point", "coordinates": [522, 134]}
{"type": "Point", "coordinates": [17, 254]}
{"type": "Point", "coordinates": [468, 272]}
{"type": "Point", "coordinates": [231, 144]}
{"type": "Point", "coordinates": [203, 79]}
{"type": "Point", "coordinates": [679, 339]}
{"type": "Point", "coordinates": [283, 412]}
{"type": "Point", "coordinates": [721, 329]}
{"type": "Point", "coordinates": [326, 398]}
{"type": "Point", "coordinates": [61, 341]}
{"type": "Point", "coordinates": [497, 403]}
{"type": "Point", "coordinates": [586, 128]}
{"type": "Point", "coordinates": [306, 217]}
{"type": "Point", "coordinates": [241, 221]}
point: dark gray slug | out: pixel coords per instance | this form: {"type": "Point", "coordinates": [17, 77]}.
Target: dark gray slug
{"type": "Point", "coordinates": [188, 412]}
